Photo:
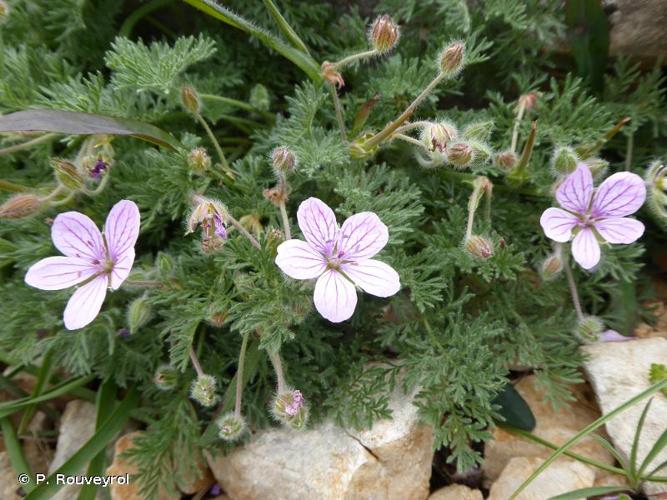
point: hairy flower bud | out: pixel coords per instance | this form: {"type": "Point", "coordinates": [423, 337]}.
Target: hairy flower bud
{"type": "Point", "coordinates": [283, 160]}
{"type": "Point", "coordinates": [481, 152]}
{"type": "Point", "coordinates": [479, 246]}
{"type": "Point", "coordinates": [437, 135]}
{"type": "Point", "coordinates": [589, 328]}
{"type": "Point", "coordinates": [478, 131]}
{"type": "Point", "coordinates": [67, 174]}
{"type": "Point", "coordinates": [190, 99]}
{"type": "Point", "coordinates": [460, 154]}
{"type": "Point", "coordinates": [203, 390]}
{"type": "Point", "coordinates": [230, 426]}
{"type": "Point", "coordinates": [551, 267]}
{"type": "Point", "coordinates": [21, 205]}
{"type": "Point", "coordinates": [564, 160]}
{"type": "Point", "coordinates": [383, 34]}
{"type": "Point", "coordinates": [451, 59]}
{"type": "Point", "coordinates": [166, 378]}
{"type": "Point", "coordinates": [139, 313]}
{"type": "Point", "coordinates": [505, 160]}
{"type": "Point", "coordinates": [198, 160]}
{"type": "Point", "coordinates": [289, 407]}
{"type": "Point", "coordinates": [259, 98]}
{"type": "Point", "coordinates": [217, 315]}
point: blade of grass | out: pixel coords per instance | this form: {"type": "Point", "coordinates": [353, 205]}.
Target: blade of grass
{"type": "Point", "coordinates": [587, 430]}
{"type": "Point", "coordinates": [658, 479]}
{"type": "Point", "coordinates": [106, 401]}
{"type": "Point", "coordinates": [285, 27]}
{"type": "Point", "coordinates": [15, 452]}
{"type": "Point", "coordinates": [657, 447]}
{"type": "Point", "coordinates": [63, 388]}
{"type": "Point", "coordinates": [614, 453]}
{"type": "Point", "coordinates": [112, 426]}
{"type": "Point", "coordinates": [43, 378]}
{"type": "Point", "coordinates": [589, 492]}
{"type": "Point", "coordinates": [304, 61]}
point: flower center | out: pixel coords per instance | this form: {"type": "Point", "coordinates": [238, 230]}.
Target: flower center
{"type": "Point", "coordinates": [333, 255]}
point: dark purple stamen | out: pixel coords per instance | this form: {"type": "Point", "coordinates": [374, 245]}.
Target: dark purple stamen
{"type": "Point", "coordinates": [98, 169]}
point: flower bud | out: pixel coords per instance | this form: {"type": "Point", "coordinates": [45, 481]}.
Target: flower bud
{"type": "Point", "coordinates": [383, 34]}
{"type": "Point", "coordinates": [332, 75]}
{"type": "Point", "coordinates": [259, 98]}
{"type": "Point", "coordinates": [505, 160]}
{"type": "Point", "coordinates": [551, 267]}
{"type": "Point", "coordinates": [20, 205]}
{"type": "Point", "coordinates": [451, 59]}
{"type": "Point", "coordinates": [589, 328]}
{"type": "Point", "coordinates": [478, 131]}
{"type": "Point", "coordinates": [67, 174]}
{"type": "Point", "coordinates": [528, 101]}
{"type": "Point", "coordinates": [210, 213]}
{"type": "Point", "coordinates": [217, 316]}
{"type": "Point", "coordinates": [166, 378]}
{"type": "Point", "coordinates": [283, 160]}
{"type": "Point", "coordinates": [479, 246]}
{"type": "Point", "coordinates": [437, 135]}
{"type": "Point", "coordinates": [203, 390]}
{"type": "Point", "coordinates": [199, 161]}
{"type": "Point", "coordinates": [460, 154]}
{"type": "Point", "coordinates": [230, 426]}
{"type": "Point", "coordinates": [564, 161]}
{"type": "Point", "coordinates": [139, 313]}
{"type": "Point", "coordinates": [190, 99]}
{"type": "Point", "coordinates": [290, 408]}
{"type": "Point", "coordinates": [481, 152]}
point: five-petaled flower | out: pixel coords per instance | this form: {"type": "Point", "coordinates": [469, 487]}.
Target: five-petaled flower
{"type": "Point", "coordinates": [92, 260]}
{"type": "Point", "coordinates": [339, 258]}
{"type": "Point", "coordinates": [595, 214]}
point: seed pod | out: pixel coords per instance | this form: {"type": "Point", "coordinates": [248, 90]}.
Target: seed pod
{"type": "Point", "coordinates": [460, 154]}
{"type": "Point", "coordinates": [20, 205]}
{"type": "Point", "coordinates": [139, 313]}
{"type": "Point", "coordinates": [231, 427]}
{"type": "Point", "coordinates": [451, 59]}
{"type": "Point", "coordinates": [166, 378]}
{"type": "Point", "coordinates": [383, 34]}
{"type": "Point", "coordinates": [199, 161]}
{"type": "Point", "coordinates": [564, 160]}
{"type": "Point", "coordinates": [203, 390]}
{"type": "Point", "coordinates": [289, 407]}
{"type": "Point", "coordinates": [479, 246]}
{"type": "Point", "coordinates": [190, 99]}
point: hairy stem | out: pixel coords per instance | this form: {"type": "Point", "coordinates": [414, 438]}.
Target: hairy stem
{"type": "Point", "coordinates": [354, 57]}
{"type": "Point", "coordinates": [286, 227]}
{"type": "Point", "coordinates": [278, 368]}
{"type": "Point", "coordinates": [629, 150]}
{"type": "Point", "coordinates": [573, 290]}
{"type": "Point", "coordinates": [239, 376]}
{"type": "Point", "coordinates": [28, 144]}
{"type": "Point", "coordinates": [339, 113]}
{"type": "Point", "coordinates": [244, 232]}
{"type": "Point", "coordinates": [216, 144]}
{"type": "Point", "coordinates": [411, 140]}
{"type": "Point", "coordinates": [517, 124]}
{"type": "Point", "coordinates": [195, 363]}
{"type": "Point", "coordinates": [12, 187]}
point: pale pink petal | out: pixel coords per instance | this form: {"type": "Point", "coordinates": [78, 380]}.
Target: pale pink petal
{"type": "Point", "coordinates": [620, 229]}
{"type": "Point", "coordinates": [75, 235]}
{"type": "Point", "coordinates": [86, 302]}
{"type": "Point", "coordinates": [374, 277]}
{"type": "Point", "coordinates": [362, 236]}
{"type": "Point", "coordinates": [335, 296]}
{"type": "Point", "coordinates": [298, 260]}
{"type": "Point", "coordinates": [318, 223]}
{"type": "Point", "coordinates": [56, 273]}
{"type": "Point", "coordinates": [558, 224]}
{"type": "Point", "coordinates": [613, 336]}
{"type": "Point", "coordinates": [576, 190]}
{"type": "Point", "coordinates": [121, 228]}
{"type": "Point", "coordinates": [586, 249]}
{"type": "Point", "coordinates": [121, 269]}
{"type": "Point", "coordinates": [621, 194]}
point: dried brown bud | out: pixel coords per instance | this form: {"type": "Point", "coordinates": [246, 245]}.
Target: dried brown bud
{"type": "Point", "coordinates": [383, 34]}
{"type": "Point", "coordinates": [276, 195]}
{"type": "Point", "coordinates": [20, 205]}
{"type": "Point", "coordinates": [506, 160]}
{"type": "Point", "coordinates": [451, 59]}
{"type": "Point", "coordinates": [479, 246]}
{"type": "Point", "coordinates": [283, 159]}
{"type": "Point", "coordinates": [331, 75]}
{"type": "Point", "coordinates": [460, 154]}
{"type": "Point", "coordinates": [190, 99]}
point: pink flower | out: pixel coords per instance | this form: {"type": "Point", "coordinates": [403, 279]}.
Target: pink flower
{"type": "Point", "coordinates": [93, 260]}
{"type": "Point", "coordinates": [339, 258]}
{"type": "Point", "coordinates": [595, 214]}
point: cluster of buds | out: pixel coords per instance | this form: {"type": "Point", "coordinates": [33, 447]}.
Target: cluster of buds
{"type": "Point", "coordinates": [452, 59]}
{"type": "Point", "coordinates": [383, 34]}
{"type": "Point", "coordinates": [203, 390]}
{"type": "Point", "coordinates": [231, 426]}
{"type": "Point", "coordinates": [166, 378]}
{"type": "Point", "coordinates": [449, 147]}
{"type": "Point", "coordinates": [289, 407]}
{"type": "Point", "coordinates": [21, 205]}
{"type": "Point", "coordinates": [212, 216]}
{"type": "Point", "coordinates": [199, 161]}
